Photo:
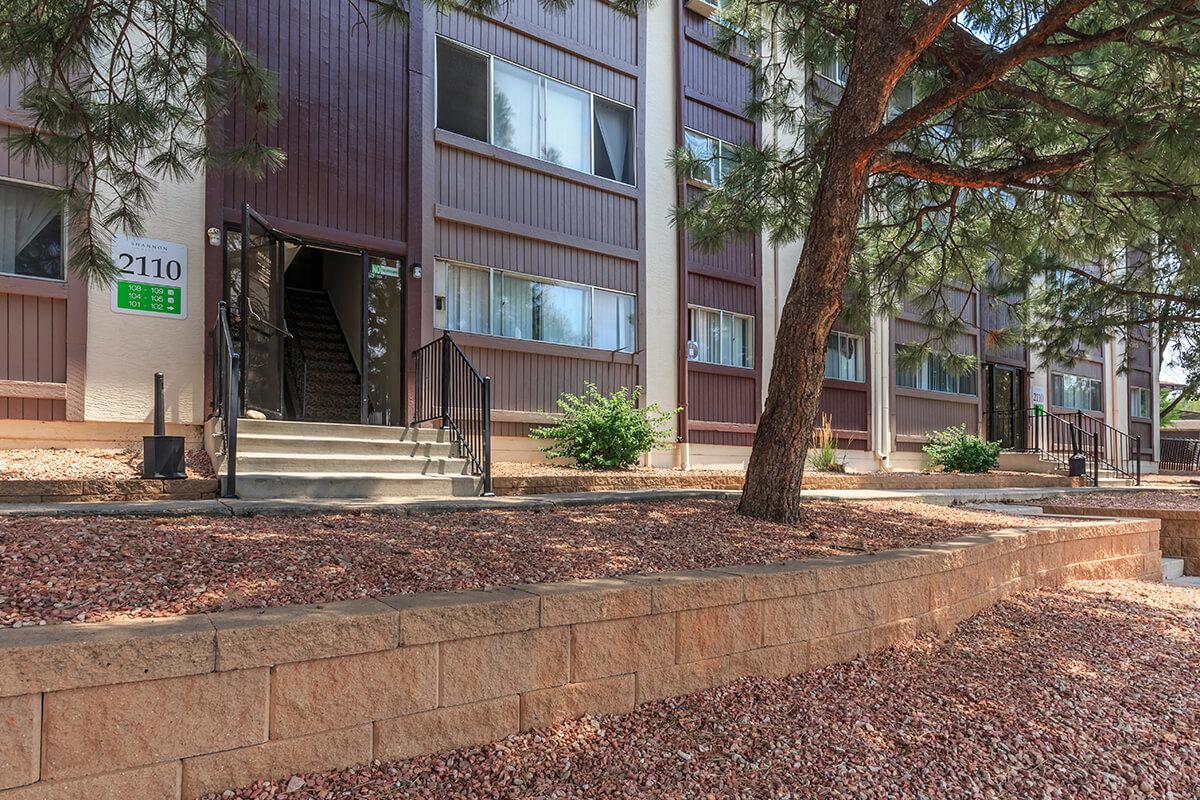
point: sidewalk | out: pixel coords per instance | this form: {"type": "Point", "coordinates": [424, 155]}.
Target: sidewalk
{"type": "Point", "coordinates": [247, 508]}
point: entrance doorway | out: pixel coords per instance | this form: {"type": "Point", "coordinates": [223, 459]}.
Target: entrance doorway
{"type": "Point", "coordinates": [1005, 406]}
{"type": "Point", "coordinates": [320, 327]}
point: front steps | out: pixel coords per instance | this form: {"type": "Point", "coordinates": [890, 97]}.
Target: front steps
{"type": "Point", "coordinates": [309, 460]}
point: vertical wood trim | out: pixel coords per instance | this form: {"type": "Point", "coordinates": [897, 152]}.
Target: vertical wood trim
{"type": "Point", "coordinates": [680, 234]}
{"type": "Point", "coordinates": [642, 177]}
{"type": "Point", "coordinates": [422, 180]}
{"type": "Point", "coordinates": [77, 312]}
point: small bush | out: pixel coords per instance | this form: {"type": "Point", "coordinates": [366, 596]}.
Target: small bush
{"type": "Point", "coordinates": [601, 432]}
{"type": "Point", "coordinates": [959, 451]}
{"type": "Point", "coordinates": [825, 457]}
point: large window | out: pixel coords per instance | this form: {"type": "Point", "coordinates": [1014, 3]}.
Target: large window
{"type": "Point", "coordinates": [933, 374]}
{"type": "Point", "coordinates": [493, 100]}
{"type": "Point", "coordinates": [835, 69]}
{"type": "Point", "coordinates": [844, 357]}
{"type": "Point", "coordinates": [720, 337]}
{"type": "Point", "coordinates": [31, 232]}
{"type": "Point", "coordinates": [1075, 391]}
{"type": "Point", "coordinates": [499, 303]}
{"type": "Point", "coordinates": [713, 155]}
{"type": "Point", "coordinates": [1139, 402]}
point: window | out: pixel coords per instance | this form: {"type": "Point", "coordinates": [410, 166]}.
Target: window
{"type": "Point", "coordinates": [934, 375]}
{"type": "Point", "coordinates": [1139, 402]}
{"type": "Point", "coordinates": [493, 100]}
{"type": "Point", "coordinates": [720, 337]}
{"type": "Point", "coordinates": [31, 232]}
{"type": "Point", "coordinates": [715, 158]}
{"type": "Point", "coordinates": [844, 357]}
{"type": "Point", "coordinates": [1075, 391]}
{"type": "Point", "coordinates": [498, 303]}
{"type": "Point", "coordinates": [835, 69]}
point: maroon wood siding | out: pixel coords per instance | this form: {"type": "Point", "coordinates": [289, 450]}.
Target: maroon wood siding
{"type": "Point", "coordinates": [720, 402]}
{"type": "Point", "coordinates": [495, 208]}
{"type": "Point", "coordinates": [344, 125]}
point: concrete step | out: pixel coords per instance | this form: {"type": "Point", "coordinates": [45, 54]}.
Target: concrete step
{"type": "Point", "coordinates": [338, 462]}
{"type": "Point", "coordinates": [1172, 568]}
{"type": "Point", "coordinates": [267, 485]}
{"type": "Point", "coordinates": [339, 430]}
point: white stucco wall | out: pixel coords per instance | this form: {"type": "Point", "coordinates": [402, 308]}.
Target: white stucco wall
{"type": "Point", "coordinates": [662, 253]}
{"type": "Point", "coordinates": [124, 350]}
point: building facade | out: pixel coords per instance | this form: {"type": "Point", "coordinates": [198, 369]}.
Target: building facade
{"type": "Point", "coordinates": [504, 180]}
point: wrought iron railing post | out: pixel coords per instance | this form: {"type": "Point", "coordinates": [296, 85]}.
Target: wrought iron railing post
{"type": "Point", "coordinates": [231, 418]}
{"type": "Point", "coordinates": [487, 437]}
{"type": "Point", "coordinates": [1096, 459]}
{"type": "Point", "coordinates": [1137, 444]}
{"type": "Point", "coordinates": [445, 381]}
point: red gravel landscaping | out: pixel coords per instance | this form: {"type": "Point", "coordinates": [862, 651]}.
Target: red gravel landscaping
{"type": "Point", "coordinates": [1088, 691]}
{"type": "Point", "coordinates": [98, 568]}
{"type": "Point", "coordinates": [58, 464]}
{"type": "Point", "coordinates": [1177, 500]}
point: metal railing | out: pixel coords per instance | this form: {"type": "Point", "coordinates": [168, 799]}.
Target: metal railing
{"type": "Point", "coordinates": [452, 393]}
{"type": "Point", "coordinates": [1055, 439]}
{"type": "Point", "coordinates": [1114, 449]}
{"type": "Point", "coordinates": [226, 380]}
{"type": "Point", "coordinates": [295, 368]}
{"type": "Point", "coordinates": [1179, 454]}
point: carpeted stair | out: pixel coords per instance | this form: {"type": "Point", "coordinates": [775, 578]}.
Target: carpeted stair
{"type": "Point", "coordinates": [332, 392]}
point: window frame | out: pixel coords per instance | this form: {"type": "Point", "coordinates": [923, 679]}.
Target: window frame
{"type": "Point", "coordinates": [1099, 384]}
{"type": "Point", "coordinates": [542, 117]}
{"type": "Point", "coordinates": [838, 69]}
{"type": "Point", "coordinates": [1148, 405]}
{"type": "Point", "coordinates": [722, 314]}
{"type": "Point", "coordinates": [64, 230]}
{"type": "Point", "coordinates": [861, 361]}
{"type": "Point", "coordinates": [494, 308]}
{"type": "Point", "coordinates": [719, 158]}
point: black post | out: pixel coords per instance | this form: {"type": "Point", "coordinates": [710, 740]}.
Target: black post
{"type": "Point", "coordinates": [160, 402]}
{"type": "Point", "coordinates": [445, 381]}
{"type": "Point", "coordinates": [487, 437]}
{"type": "Point", "coordinates": [1137, 444]}
{"type": "Point", "coordinates": [231, 418]}
{"type": "Point", "coordinates": [1095, 459]}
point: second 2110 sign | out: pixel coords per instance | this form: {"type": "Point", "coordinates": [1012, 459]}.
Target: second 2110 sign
{"type": "Point", "coordinates": [153, 277]}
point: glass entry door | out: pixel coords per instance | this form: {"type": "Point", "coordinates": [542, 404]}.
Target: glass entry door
{"type": "Point", "coordinates": [1005, 417]}
{"type": "Point", "coordinates": [384, 341]}
{"type": "Point", "coordinates": [263, 329]}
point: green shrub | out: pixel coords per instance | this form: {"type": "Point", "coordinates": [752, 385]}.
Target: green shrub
{"type": "Point", "coordinates": [823, 457]}
{"type": "Point", "coordinates": [959, 451]}
{"type": "Point", "coordinates": [601, 432]}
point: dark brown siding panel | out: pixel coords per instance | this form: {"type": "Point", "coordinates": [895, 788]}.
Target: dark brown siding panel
{"type": "Point", "coordinates": [719, 397]}
{"type": "Point", "coordinates": [524, 381]}
{"type": "Point", "coordinates": [727, 81]}
{"type": "Point", "coordinates": [11, 165]}
{"type": "Point", "coordinates": [1088, 369]}
{"type": "Point", "coordinates": [714, 122]}
{"type": "Point", "coordinates": [997, 318]}
{"type": "Point", "coordinates": [918, 415]}
{"type": "Point", "coordinates": [493, 249]}
{"type": "Point", "coordinates": [714, 293]}
{"type": "Point", "coordinates": [33, 337]}
{"type": "Point", "coordinates": [847, 408]}
{"type": "Point", "coordinates": [343, 122]}
{"type": "Point", "coordinates": [557, 62]}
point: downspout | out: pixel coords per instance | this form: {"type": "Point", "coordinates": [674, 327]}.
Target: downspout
{"type": "Point", "coordinates": [881, 394]}
{"type": "Point", "coordinates": [685, 455]}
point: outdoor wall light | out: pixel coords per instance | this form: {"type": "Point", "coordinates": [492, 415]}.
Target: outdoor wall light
{"type": "Point", "coordinates": [214, 236]}
{"type": "Point", "coordinates": [416, 271]}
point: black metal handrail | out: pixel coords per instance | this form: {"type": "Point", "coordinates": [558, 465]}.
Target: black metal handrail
{"type": "Point", "coordinates": [226, 373]}
{"type": "Point", "coordinates": [296, 367]}
{"type": "Point", "coordinates": [451, 392]}
{"type": "Point", "coordinates": [1054, 438]}
{"type": "Point", "coordinates": [1179, 454]}
{"type": "Point", "coordinates": [1114, 448]}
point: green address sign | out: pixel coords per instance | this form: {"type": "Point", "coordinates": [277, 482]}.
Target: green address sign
{"type": "Point", "coordinates": [133, 296]}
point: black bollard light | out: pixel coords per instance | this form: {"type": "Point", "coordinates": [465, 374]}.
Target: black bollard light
{"type": "Point", "coordinates": [162, 455]}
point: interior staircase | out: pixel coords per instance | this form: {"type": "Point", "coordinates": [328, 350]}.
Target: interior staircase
{"type": "Point", "coordinates": [304, 460]}
{"type": "Point", "coordinates": [329, 380]}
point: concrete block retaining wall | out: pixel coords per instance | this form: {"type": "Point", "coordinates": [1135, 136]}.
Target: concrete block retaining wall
{"type": "Point", "coordinates": [100, 490]}
{"type": "Point", "coordinates": [163, 709]}
{"type": "Point", "coordinates": [1180, 529]}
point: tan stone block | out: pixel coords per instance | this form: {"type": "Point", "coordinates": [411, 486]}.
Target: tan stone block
{"type": "Point", "coordinates": [797, 619]}
{"type": "Point", "coordinates": [508, 663]}
{"type": "Point", "coordinates": [442, 616]}
{"type": "Point", "coordinates": [20, 739]}
{"type": "Point", "coordinates": [87, 731]}
{"type": "Point", "coordinates": [543, 707]}
{"type": "Point", "coordinates": [681, 679]}
{"type": "Point", "coordinates": [38, 488]}
{"type": "Point", "coordinates": [54, 657]}
{"type": "Point", "coordinates": [616, 647]}
{"type": "Point", "coordinates": [718, 631]}
{"type": "Point", "coordinates": [278, 758]}
{"type": "Point", "coordinates": [890, 633]}
{"type": "Point", "coordinates": [785, 579]}
{"type": "Point", "coordinates": [699, 588]}
{"type": "Point", "coordinates": [838, 649]}
{"type": "Point", "coordinates": [1172, 546]}
{"type": "Point", "coordinates": [590, 600]}
{"type": "Point", "coordinates": [256, 637]}
{"type": "Point", "coordinates": [191, 486]}
{"type": "Point", "coordinates": [773, 662]}
{"type": "Point", "coordinates": [447, 728]}
{"type": "Point", "coordinates": [333, 693]}
{"type": "Point", "coordinates": [158, 782]}
{"type": "Point", "coordinates": [133, 486]}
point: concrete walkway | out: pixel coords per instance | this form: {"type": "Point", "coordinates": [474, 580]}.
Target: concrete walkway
{"type": "Point", "coordinates": [247, 508]}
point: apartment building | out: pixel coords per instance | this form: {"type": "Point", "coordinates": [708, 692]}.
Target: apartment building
{"type": "Point", "coordinates": [501, 180]}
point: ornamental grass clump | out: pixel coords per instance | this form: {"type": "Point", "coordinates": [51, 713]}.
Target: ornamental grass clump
{"type": "Point", "coordinates": [606, 432]}
{"type": "Point", "coordinates": [956, 450]}
{"type": "Point", "coordinates": [824, 452]}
